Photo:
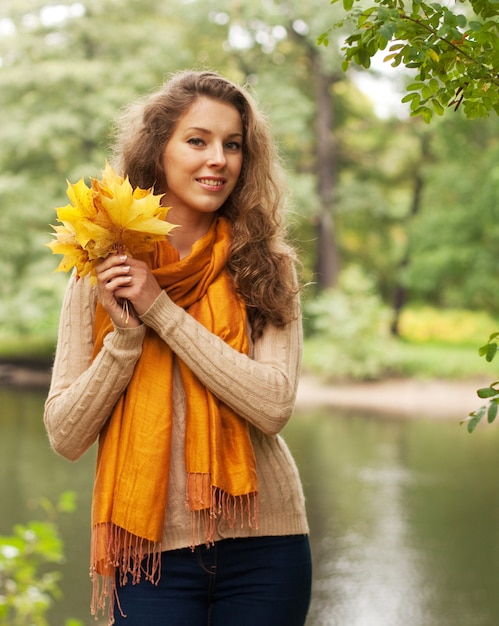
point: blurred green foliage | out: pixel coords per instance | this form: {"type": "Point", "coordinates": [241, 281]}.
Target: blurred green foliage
{"type": "Point", "coordinates": [28, 584]}
{"type": "Point", "coordinates": [347, 329]}
{"type": "Point", "coordinates": [347, 336]}
{"type": "Point", "coordinates": [66, 71]}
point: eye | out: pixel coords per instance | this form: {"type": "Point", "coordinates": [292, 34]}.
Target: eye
{"type": "Point", "coordinates": [195, 141]}
{"type": "Point", "coordinates": [233, 145]}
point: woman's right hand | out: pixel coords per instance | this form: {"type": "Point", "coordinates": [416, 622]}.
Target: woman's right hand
{"type": "Point", "coordinates": [113, 275]}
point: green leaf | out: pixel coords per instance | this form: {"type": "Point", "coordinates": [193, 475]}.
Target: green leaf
{"type": "Point", "coordinates": [491, 352]}
{"type": "Point", "coordinates": [488, 351]}
{"type": "Point", "coordinates": [492, 412]}
{"type": "Point", "coordinates": [411, 96]}
{"type": "Point", "coordinates": [388, 30]}
{"type": "Point", "coordinates": [474, 25]}
{"type": "Point", "coordinates": [426, 92]}
{"type": "Point", "coordinates": [323, 40]}
{"type": "Point", "coordinates": [415, 86]}
{"type": "Point", "coordinates": [427, 114]}
{"type": "Point", "coordinates": [487, 392]}
{"type": "Point", "coordinates": [473, 419]}
{"type": "Point", "coordinates": [397, 46]}
{"type": "Point", "coordinates": [439, 109]}
{"type": "Point", "coordinates": [362, 58]}
{"type": "Point", "coordinates": [364, 17]}
{"type": "Point", "coordinates": [348, 4]}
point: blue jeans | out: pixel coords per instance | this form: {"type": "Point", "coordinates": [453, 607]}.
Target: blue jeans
{"type": "Point", "coordinates": [257, 581]}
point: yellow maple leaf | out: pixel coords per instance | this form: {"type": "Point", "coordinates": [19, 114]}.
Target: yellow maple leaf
{"type": "Point", "coordinates": [135, 215]}
{"type": "Point", "coordinates": [82, 198]}
{"type": "Point", "coordinates": [108, 217]}
{"type": "Point", "coordinates": [73, 254]}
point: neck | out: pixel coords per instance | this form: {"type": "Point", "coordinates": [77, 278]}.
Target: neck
{"type": "Point", "coordinates": [189, 231]}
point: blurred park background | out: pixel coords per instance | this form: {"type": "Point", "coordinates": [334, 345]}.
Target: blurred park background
{"type": "Point", "coordinates": [396, 224]}
{"type": "Point", "coordinates": [395, 220]}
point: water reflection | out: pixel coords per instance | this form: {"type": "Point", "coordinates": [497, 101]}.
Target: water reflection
{"type": "Point", "coordinates": [404, 517]}
{"type": "Point", "coordinates": [403, 513]}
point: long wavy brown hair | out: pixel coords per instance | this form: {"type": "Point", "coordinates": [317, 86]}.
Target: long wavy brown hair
{"type": "Point", "coordinates": [260, 261]}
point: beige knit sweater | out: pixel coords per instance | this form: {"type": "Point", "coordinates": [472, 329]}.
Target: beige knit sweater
{"type": "Point", "coordinates": [260, 387]}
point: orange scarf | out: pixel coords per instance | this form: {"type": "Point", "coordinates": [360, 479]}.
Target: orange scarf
{"type": "Point", "coordinates": [131, 482]}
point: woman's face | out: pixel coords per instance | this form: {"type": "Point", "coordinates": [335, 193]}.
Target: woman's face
{"type": "Point", "coordinates": [202, 160]}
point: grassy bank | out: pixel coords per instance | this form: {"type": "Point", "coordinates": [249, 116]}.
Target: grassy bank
{"type": "Point", "coordinates": [27, 349]}
{"type": "Point", "coordinates": [433, 343]}
{"type": "Point", "coordinates": [402, 358]}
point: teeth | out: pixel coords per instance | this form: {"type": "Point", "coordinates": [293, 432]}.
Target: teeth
{"type": "Point", "coordinates": [212, 183]}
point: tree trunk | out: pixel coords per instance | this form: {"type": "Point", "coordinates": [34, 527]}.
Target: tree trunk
{"type": "Point", "coordinates": [401, 294]}
{"type": "Point", "coordinates": [326, 265]}
{"type": "Point", "coordinates": [327, 260]}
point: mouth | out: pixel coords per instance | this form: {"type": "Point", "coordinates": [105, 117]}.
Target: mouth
{"type": "Point", "coordinates": [212, 183]}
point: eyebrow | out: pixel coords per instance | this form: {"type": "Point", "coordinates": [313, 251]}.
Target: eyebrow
{"type": "Point", "coordinates": [205, 130]}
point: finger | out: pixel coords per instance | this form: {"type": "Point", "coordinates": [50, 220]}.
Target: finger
{"type": "Point", "coordinates": [118, 282]}
{"type": "Point", "coordinates": [112, 273]}
{"type": "Point", "coordinates": [111, 261]}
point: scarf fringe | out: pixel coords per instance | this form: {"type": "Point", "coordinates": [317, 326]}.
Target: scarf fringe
{"type": "Point", "coordinates": [126, 555]}
{"type": "Point", "coordinates": [209, 504]}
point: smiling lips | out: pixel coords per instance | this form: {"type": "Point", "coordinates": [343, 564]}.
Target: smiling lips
{"type": "Point", "coordinates": [215, 183]}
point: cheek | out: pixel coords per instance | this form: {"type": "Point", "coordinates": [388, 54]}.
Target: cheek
{"type": "Point", "coordinates": [162, 168]}
{"type": "Point", "coordinates": [171, 170]}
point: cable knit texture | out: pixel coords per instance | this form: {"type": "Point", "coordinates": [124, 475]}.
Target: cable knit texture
{"type": "Point", "coordinates": [260, 387]}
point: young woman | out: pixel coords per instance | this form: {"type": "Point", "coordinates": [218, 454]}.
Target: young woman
{"type": "Point", "coordinates": [198, 514]}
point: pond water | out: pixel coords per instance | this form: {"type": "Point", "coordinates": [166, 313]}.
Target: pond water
{"type": "Point", "coordinates": [404, 513]}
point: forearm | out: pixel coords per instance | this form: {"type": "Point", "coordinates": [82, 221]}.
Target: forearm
{"type": "Point", "coordinates": [260, 389]}
{"type": "Point", "coordinates": [83, 392]}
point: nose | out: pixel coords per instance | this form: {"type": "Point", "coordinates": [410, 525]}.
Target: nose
{"type": "Point", "coordinates": [216, 157]}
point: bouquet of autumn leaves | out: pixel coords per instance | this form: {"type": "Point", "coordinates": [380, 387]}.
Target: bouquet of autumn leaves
{"type": "Point", "coordinates": [109, 217]}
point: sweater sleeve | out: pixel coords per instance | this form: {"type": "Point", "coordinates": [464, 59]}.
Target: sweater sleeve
{"type": "Point", "coordinates": [261, 388]}
{"type": "Point", "coordinates": [83, 392]}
